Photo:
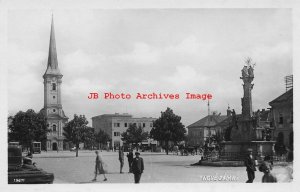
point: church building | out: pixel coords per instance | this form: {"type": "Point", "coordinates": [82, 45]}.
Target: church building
{"type": "Point", "coordinates": [55, 115]}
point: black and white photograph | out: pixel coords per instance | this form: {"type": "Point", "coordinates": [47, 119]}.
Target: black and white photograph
{"type": "Point", "coordinates": [151, 95]}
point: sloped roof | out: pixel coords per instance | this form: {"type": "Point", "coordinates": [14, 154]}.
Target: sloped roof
{"type": "Point", "coordinates": [225, 122]}
{"type": "Point", "coordinates": [113, 115]}
{"type": "Point", "coordinates": [208, 121]}
{"type": "Point", "coordinates": [285, 97]}
{"type": "Point", "coordinates": [52, 66]}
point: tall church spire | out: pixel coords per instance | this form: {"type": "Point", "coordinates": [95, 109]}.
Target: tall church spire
{"type": "Point", "coordinates": [56, 118]}
{"type": "Point", "coordinates": [52, 66]}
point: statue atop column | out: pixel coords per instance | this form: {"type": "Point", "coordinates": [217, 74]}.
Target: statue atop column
{"type": "Point", "coordinates": [247, 77]}
{"type": "Point", "coordinates": [248, 70]}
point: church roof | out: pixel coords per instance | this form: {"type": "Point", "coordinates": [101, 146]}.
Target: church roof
{"type": "Point", "coordinates": [52, 66]}
{"type": "Point", "coordinates": [208, 121]}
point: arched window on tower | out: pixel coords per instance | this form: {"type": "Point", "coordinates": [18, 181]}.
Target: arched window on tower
{"type": "Point", "coordinates": [54, 128]}
{"type": "Point", "coordinates": [53, 86]}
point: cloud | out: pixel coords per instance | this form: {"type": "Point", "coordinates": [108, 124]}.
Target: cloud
{"type": "Point", "coordinates": [152, 51]}
{"type": "Point", "coordinates": [142, 54]}
{"type": "Point", "coordinates": [189, 45]}
{"type": "Point", "coordinates": [25, 70]}
{"type": "Point", "coordinates": [79, 62]}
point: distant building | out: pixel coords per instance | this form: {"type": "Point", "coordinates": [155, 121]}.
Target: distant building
{"type": "Point", "coordinates": [115, 124]}
{"type": "Point", "coordinates": [282, 118]}
{"type": "Point", "coordinates": [204, 128]}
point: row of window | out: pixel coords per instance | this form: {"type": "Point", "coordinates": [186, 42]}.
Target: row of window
{"type": "Point", "coordinates": [53, 127]}
{"type": "Point", "coordinates": [206, 133]}
{"type": "Point", "coordinates": [136, 124]}
{"type": "Point", "coordinates": [117, 134]}
{"type": "Point", "coordinates": [281, 118]}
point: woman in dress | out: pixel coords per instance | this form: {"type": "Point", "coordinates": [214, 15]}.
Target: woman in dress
{"type": "Point", "coordinates": [99, 167]}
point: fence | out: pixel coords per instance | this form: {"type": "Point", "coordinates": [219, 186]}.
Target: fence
{"type": "Point", "coordinates": [235, 156]}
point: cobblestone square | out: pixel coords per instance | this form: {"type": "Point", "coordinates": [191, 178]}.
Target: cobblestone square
{"type": "Point", "coordinates": [159, 168]}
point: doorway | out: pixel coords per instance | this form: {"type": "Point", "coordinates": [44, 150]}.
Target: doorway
{"type": "Point", "coordinates": [54, 146]}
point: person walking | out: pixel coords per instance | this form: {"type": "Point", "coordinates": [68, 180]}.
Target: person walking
{"type": "Point", "coordinates": [137, 167]}
{"type": "Point", "coordinates": [121, 158]}
{"type": "Point", "coordinates": [130, 159]}
{"type": "Point", "coordinates": [99, 167]}
{"type": "Point", "coordinates": [250, 166]}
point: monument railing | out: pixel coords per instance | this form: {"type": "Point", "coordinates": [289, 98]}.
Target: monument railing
{"type": "Point", "coordinates": [237, 156]}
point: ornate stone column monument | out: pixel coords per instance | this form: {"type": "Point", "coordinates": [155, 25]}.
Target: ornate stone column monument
{"type": "Point", "coordinates": [244, 127]}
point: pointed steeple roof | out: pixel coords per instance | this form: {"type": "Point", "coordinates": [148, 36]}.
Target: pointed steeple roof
{"type": "Point", "coordinates": [52, 66]}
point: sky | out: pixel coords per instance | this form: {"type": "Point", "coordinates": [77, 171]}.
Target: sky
{"type": "Point", "coordinates": [149, 50]}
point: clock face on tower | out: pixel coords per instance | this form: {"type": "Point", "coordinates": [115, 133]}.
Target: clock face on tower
{"type": "Point", "coordinates": [53, 99]}
{"type": "Point", "coordinates": [53, 111]}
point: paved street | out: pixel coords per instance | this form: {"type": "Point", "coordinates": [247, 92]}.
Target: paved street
{"type": "Point", "coordinates": [159, 168]}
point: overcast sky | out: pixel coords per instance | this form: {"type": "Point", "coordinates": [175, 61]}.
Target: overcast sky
{"type": "Point", "coordinates": [149, 50]}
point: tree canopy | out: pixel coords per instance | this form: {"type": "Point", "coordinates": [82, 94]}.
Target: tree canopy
{"type": "Point", "coordinates": [89, 138]}
{"type": "Point", "coordinates": [168, 128]}
{"type": "Point", "coordinates": [76, 130]}
{"type": "Point", "coordinates": [134, 135]}
{"type": "Point", "coordinates": [102, 137]}
{"type": "Point", "coordinates": [26, 127]}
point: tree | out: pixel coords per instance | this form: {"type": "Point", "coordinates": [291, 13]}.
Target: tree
{"type": "Point", "coordinates": [134, 135]}
{"type": "Point", "coordinates": [102, 137]}
{"type": "Point", "coordinates": [26, 127]}
{"type": "Point", "coordinates": [89, 138]}
{"type": "Point", "coordinates": [75, 131]}
{"type": "Point", "coordinates": [168, 128]}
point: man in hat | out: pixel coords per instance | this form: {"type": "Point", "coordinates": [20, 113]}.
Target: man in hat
{"type": "Point", "coordinates": [250, 166]}
{"type": "Point", "coordinates": [137, 167]}
{"type": "Point", "coordinates": [130, 159]}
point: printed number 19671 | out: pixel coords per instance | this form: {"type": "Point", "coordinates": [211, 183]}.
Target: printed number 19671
{"type": "Point", "coordinates": [19, 180]}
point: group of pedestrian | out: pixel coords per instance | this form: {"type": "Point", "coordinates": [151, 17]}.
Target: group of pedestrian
{"type": "Point", "coordinates": [136, 164]}
{"type": "Point", "coordinates": [265, 167]}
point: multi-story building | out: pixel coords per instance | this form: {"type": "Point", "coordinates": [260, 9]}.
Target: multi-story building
{"type": "Point", "coordinates": [282, 118]}
{"type": "Point", "coordinates": [115, 124]}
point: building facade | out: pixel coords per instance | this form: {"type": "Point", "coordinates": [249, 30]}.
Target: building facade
{"type": "Point", "coordinates": [116, 124]}
{"type": "Point", "coordinates": [205, 128]}
{"type": "Point", "coordinates": [53, 110]}
{"type": "Point", "coordinates": [282, 118]}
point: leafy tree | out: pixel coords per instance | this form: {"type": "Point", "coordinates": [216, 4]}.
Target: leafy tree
{"type": "Point", "coordinates": [102, 137]}
{"type": "Point", "coordinates": [168, 128]}
{"type": "Point", "coordinates": [75, 131]}
{"type": "Point", "coordinates": [89, 138]}
{"type": "Point", "coordinates": [134, 135]}
{"type": "Point", "coordinates": [26, 127]}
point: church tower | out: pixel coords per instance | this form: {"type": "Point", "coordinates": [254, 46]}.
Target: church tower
{"type": "Point", "coordinates": [52, 98]}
